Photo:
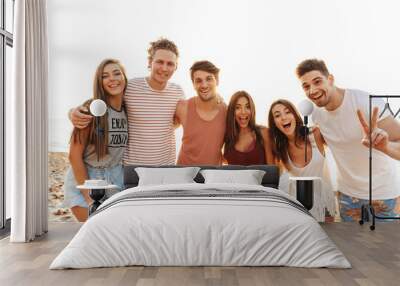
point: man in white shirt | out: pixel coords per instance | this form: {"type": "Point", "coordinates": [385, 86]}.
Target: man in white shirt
{"type": "Point", "coordinates": [336, 115]}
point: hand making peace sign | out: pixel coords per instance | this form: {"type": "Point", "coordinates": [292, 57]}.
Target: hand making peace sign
{"type": "Point", "coordinates": [379, 137]}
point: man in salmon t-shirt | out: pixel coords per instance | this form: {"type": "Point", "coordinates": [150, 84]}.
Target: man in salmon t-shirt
{"type": "Point", "coordinates": [203, 118]}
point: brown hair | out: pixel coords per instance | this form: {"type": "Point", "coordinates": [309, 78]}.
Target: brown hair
{"type": "Point", "coordinates": [162, 44]}
{"type": "Point", "coordinates": [311, 65]}
{"type": "Point", "coordinates": [206, 66]}
{"type": "Point", "coordinates": [280, 142]}
{"type": "Point", "coordinates": [99, 93]}
{"type": "Point", "coordinates": [232, 128]}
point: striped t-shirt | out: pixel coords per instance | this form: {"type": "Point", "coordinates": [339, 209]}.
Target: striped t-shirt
{"type": "Point", "coordinates": [150, 123]}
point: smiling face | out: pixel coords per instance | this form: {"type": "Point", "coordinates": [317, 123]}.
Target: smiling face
{"type": "Point", "coordinates": [162, 66]}
{"type": "Point", "coordinates": [242, 112]}
{"type": "Point", "coordinates": [240, 116]}
{"type": "Point", "coordinates": [318, 87]}
{"type": "Point", "coordinates": [113, 80]}
{"type": "Point", "coordinates": [284, 119]}
{"type": "Point", "coordinates": [205, 85]}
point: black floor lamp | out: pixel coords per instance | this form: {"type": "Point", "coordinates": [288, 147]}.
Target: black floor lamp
{"type": "Point", "coordinates": [305, 188]}
{"type": "Point", "coordinates": [367, 209]}
{"type": "Point", "coordinates": [97, 108]}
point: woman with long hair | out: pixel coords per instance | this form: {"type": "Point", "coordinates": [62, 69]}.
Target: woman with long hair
{"type": "Point", "coordinates": [288, 144]}
{"type": "Point", "coordinates": [109, 85]}
{"type": "Point", "coordinates": [246, 143]}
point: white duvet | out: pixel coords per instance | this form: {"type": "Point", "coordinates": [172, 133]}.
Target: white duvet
{"type": "Point", "coordinates": [183, 231]}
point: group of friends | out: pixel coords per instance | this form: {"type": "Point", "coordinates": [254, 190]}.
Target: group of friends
{"type": "Point", "coordinates": [143, 113]}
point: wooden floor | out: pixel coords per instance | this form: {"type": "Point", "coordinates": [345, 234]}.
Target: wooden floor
{"type": "Point", "coordinates": [374, 255]}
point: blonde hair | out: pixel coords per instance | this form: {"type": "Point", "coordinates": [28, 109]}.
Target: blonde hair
{"type": "Point", "coordinates": [162, 44]}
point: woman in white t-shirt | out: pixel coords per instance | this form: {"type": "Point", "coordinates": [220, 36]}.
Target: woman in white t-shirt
{"type": "Point", "coordinates": [285, 127]}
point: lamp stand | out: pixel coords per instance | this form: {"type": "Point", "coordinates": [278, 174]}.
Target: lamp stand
{"type": "Point", "coordinates": [98, 137]}
{"type": "Point", "coordinates": [96, 195]}
{"type": "Point", "coordinates": [305, 188]}
{"type": "Point", "coordinates": [305, 193]}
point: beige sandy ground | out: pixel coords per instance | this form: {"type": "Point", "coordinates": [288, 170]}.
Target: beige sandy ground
{"type": "Point", "coordinates": [58, 165]}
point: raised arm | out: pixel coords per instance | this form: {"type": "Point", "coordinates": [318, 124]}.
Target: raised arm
{"type": "Point", "coordinates": [385, 134]}
{"type": "Point", "coordinates": [80, 117]}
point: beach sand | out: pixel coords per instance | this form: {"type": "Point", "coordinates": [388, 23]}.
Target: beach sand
{"type": "Point", "coordinates": [58, 165]}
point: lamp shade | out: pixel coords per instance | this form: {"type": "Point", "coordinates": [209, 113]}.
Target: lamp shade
{"type": "Point", "coordinates": [305, 107]}
{"type": "Point", "coordinates": [98, 107]}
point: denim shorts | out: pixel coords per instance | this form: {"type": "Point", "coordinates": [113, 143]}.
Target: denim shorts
{"type": "Point", "coordinates": [350, 207]}
{"type": "Point", "coordinates": [73, 196]}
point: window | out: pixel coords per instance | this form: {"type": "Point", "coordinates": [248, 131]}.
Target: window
{"type": "Point", "coordinates": [9, 17]}
{"type": "Point", "coordinates": [6, 44]}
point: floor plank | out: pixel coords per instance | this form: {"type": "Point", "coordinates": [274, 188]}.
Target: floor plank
{"type": "Point", "coordinates": [374, 255]}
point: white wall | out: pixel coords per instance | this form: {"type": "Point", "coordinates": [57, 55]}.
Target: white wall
{"type": "Point", "coordinates": [257, 45]}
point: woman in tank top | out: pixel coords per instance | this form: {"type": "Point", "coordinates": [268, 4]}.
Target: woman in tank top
{"type": "Point", "coordinates": [246, 143]}
{"type": "Point", "coordinates": [288, 145]}
{"type": "Point", "coordinates": [109, 85]}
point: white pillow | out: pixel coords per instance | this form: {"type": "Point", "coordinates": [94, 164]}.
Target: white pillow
{"type": "Point", "coordinates": [248, 177]}
{"type": "Point", "coordinates": [165, 176]}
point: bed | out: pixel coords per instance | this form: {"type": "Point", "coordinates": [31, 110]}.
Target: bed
{"type": "Point", "coordinates": [201, 224]}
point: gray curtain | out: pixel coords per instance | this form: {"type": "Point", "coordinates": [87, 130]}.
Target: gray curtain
{"type": "Point", "coordinates": [28, 131]}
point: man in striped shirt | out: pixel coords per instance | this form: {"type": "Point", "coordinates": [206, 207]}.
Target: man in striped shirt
{"type": "Point", "coordinates": [150, 104]}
